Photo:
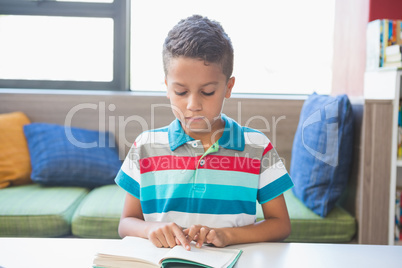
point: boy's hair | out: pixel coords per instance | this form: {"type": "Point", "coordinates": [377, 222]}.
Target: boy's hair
{"type": "Point", "coordinates": [199, 38]}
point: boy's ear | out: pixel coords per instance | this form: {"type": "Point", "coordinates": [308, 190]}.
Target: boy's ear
{"type": "Point", "coordinates": [229, 87]}
{"type": "Point", "coordinates": [167, 91]}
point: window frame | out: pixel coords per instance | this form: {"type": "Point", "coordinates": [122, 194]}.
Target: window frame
{"type": "Point", "coordinates": [118, 10]}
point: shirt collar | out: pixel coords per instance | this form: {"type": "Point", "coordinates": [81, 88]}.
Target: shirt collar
{"type": "Point", "coordinates": [232, 137]}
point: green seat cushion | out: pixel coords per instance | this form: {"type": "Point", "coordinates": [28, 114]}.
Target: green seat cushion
{"type": "Point", "coordinates": [99, 213]}
{"type": "Point", "coordinates": [338, 226]}
{"type": "Point", "coordinates": [38, 211]}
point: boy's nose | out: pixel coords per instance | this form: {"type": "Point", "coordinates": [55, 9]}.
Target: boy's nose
{"type": "Point", "coordinates": [194, 104]}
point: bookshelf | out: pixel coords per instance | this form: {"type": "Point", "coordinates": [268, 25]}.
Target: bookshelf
{"type": "Point", "coordinates": [382, 93]}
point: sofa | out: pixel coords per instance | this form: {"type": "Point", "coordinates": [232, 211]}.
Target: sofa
{"type": "Point", "coordinates": [36, 210]}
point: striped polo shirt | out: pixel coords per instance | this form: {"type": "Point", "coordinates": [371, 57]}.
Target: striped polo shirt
{"type": "Point", "coordinates": [177, 181]}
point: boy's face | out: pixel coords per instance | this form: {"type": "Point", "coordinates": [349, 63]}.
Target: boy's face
{"type": "Point", "coordinates": [197, 92]}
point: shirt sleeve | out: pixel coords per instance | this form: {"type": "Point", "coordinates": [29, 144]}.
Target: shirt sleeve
{"type": "Point", "coordinates": [129, 176]}
{"type": "Point", "coordinates": [274, 179]}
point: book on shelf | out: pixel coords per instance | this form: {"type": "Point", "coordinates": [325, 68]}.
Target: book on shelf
{"type": "Point", "coordinates": [393, 56]}
{"type": "Point", "coordinates": [399, 155]}
{"type": "Point", "coordinates": [393, 64]}
{"type": "Point", "coordinates": [140, 252]}
{"type": "Point", "coordinates": [399, 134]}
{"type": "Point", "coordinates": [382, 34]}
{"type": "Point", "coordinates": [395, 49]}
{"type": "Point", "coordinates": [398, 214]}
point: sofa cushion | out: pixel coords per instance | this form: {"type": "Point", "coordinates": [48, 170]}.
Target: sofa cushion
{"type": "Point", "coordinates": [337, 227]}
{"type": "Point", "coordinates": [99, 213]}
{"type": "Point", "coordinates": [67, 156]}
{"type": "Point", "coordinates": [15, 165]}
{"type": "Point", "coordinates": [38, 211]}
{"type": "Point", "coordinates": [322, 151]}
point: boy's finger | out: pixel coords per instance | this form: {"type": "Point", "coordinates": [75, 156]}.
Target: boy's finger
{"type": "Point", "coordinates": [193, 231]}
{"type": "Point", "coordinates": [156, 242]}
{"type": "Point", "coordinates": [162, 241]}
{"type": "Point", "coordinates": [202, 236]}
{"type": "Point", "coordinates": [170, 239]}
{"type": "Point", "coordinates": [179, 235]}
{"type": "Point", "coordinates": [211, 237]}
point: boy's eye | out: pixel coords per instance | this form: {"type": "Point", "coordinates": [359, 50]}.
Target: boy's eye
{"type": "Point", "coordinates": [208, 93]}
{"type": "Point", "coordinates": [180, 93]}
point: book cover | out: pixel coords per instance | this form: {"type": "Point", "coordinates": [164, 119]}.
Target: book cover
{"type": "Point", "coordinates": [391, 33]}
{"type": "Point", "coordinates": [397, 215]}
{"type": "Point", "coordinates": [384, 41]}
{"type": "Point", "coordinates": [400, 213]}
{"type": "Point", "coordinates": [398, 32]}
{"type": "Point", "coordinates": [394, 32]}
{"type": "Point", "coordinates": [140, 252]}
{"type": "Point", "coordinates": [399, 136]}
{"type": "Point", "coordinates": [400, 114]}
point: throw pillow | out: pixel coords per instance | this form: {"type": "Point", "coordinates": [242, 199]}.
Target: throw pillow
{"type": "Point", "coordinates": [322, 151]}
{"type": "Point", "coordinates": [68, 156]}
{"type": "Point", "coordinates": [15, 166]}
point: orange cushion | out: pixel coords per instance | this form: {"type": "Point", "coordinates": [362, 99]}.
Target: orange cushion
{"type": "Point", "coordinates": [15, 165]}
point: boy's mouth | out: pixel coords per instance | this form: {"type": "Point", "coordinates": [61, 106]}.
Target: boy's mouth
{"type": "Point", "coordinates": [194, 118]}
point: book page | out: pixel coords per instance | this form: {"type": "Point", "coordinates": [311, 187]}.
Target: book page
{"type": "Point", "coordinates": [133, 248]}
{"type": "Point", "coordinates": [210, 256]}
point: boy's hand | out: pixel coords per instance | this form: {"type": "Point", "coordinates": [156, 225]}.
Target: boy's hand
{"type": "Point", "coordinates": [203, 234]}
{"type": "Point", "coordinates": [167, 235]}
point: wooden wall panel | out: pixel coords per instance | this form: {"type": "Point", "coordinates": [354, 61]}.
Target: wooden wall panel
{"type": "Point", "coordinates": [127, 115]}
{"type": "Point", "coordinates": [376, 167]}
{"type": "Point", "coordinates": [123, 115]}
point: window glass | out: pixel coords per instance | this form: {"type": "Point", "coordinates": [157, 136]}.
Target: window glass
{"type": "Point", "coordinates": [56, 48]}
{"type": "Point", "coordinates": [281, 47]}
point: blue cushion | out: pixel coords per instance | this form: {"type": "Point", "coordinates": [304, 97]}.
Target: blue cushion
{"type": "Point", "coordinates": [322, 151]}
{"type": "Point", "coordinates": [70, 156]}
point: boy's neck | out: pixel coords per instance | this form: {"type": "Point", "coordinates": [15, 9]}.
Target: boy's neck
{"type": "Point", "coordinates": [209, 138]}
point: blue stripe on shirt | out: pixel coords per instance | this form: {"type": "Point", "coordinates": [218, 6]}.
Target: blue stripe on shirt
{"type": "Point", "coordinates": [198, 205]}
{"type": "Point", "coordinates": [207, 191]}
{"type": "Point", "coordinates": [274, 189]}
{"type": "Point", "coordinates": [128, 183]}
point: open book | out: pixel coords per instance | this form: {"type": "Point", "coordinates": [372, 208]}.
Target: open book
{"type": "Point", "coordinates": [140, 252]}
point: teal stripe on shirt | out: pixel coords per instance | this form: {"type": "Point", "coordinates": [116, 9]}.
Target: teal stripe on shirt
{"type": "Point", "coordinates": [274, 189]}
{"type": "Point", "coordinates": [206, 176]}
{"type": "Point", "coordinates": [208, 191]}
{"type": "Point", "coordinates": [123, 180]}
{"type": "Point", "coordinates": [198, 205]}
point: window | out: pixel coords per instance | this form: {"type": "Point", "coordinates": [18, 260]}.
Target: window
{"type": "Point", "coordinates": [281, 47]}
{"type": "Point", "coordinates": [64, 44]}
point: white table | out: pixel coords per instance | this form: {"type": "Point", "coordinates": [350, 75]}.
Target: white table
{"type": "Point", "coordinates": [76, 252]}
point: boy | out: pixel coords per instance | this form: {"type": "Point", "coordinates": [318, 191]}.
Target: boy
{"type": "Point", "coordinates": [198, 179]}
